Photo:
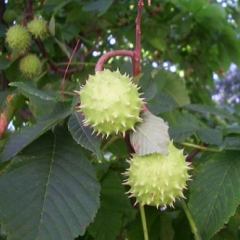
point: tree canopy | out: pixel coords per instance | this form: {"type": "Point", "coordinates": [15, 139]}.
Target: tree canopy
{"type": "Point", "coordinates": [60, 178]}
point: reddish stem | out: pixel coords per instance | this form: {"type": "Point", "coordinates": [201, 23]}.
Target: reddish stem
{"type": "Point", "coordinates": [135, 54]}
{"type": "Point", "coordinates": [136, 68]}
{"type": "Point", "coordinates": [114, 53]}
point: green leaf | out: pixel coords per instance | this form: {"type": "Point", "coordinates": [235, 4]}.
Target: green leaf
{"type": "Point", "coordinates": [231, 143]}
{"type": "Point", "coordinates": [4, 62]}
{"type": "Point", "coordinates": [181, 132]}
{"type": "Point", "coordinates": [187, 124]}
{"type": "Point", "coordinates": [210, 110]}
{"type": "Point", "coordinates": [50, 191]}
{"type": "Point", "coordinates": [211, 12]}
{"type": "Point", "coordinates": [110, 229]}
{"type": "Point", "coordinates": [83, 135]}
{"type": "Point", "coordinates": [150, 90]}
{"type": "Point", "coordinates": [161, 103]}
{"type": "Point", "coordinates": [100, 5]}
{"type": "Point", "coordinates": [175, 87]}
{"type": "Point", "coordinates": [63, 47]}
{"type": "Point", "coordinates": [40, 108]}
{"type": "Point", "coordinates": [52, 26]}
{"type": "Point", "coordinates": [151, 136]}
{"type": "Point", "coordinates": [114, 202]}
{"type": "Point", "coordinates": [159, 225]}
{"type": "Point", "coordinates": [158, 43]}
{"type": "Point", "coordinates": [210, 136]}
{"type": "Point", "coordinates": [215, 193]}
{"type": "Point", "coordinates": [30, 91]}
{"type": "Point", "coordinates": [20, 139]}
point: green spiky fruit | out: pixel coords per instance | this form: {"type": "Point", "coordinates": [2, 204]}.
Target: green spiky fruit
{"type": "Point", "coordinates": [18, 37]}
{"type": "Point", "coordinates": [37, 27]}
{"type": "Point", "coordinates": [110, 102]}
{"type": "Point", "coordinates": [156, 179]}
{"type": "Point", "coordinates": [30, 65]}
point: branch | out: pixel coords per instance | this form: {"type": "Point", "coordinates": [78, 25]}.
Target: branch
{"type": "Point", "coordinates": [192, 154]}
{"type": "Point", "coordinates": [45, 55]}
{"type": "Point", "coordinates": [2, 10]}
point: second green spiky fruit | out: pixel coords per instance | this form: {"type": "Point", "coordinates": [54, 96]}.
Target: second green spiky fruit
{"type": "Point", "coordinates": [30, 65]}
{"type": "Point", "coordinates": [37, 27]}
{"type": "Point", "coordinates": [110, 102]}
{"type": "Point", "coordinates": [156, 179]}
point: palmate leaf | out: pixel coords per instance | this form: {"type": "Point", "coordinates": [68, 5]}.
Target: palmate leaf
{"type": "Point", "coordinates": [215, 194]}
{"type": "Point", "coordinates": [83, 134]}
{"type": "Point", "coordinates": [20, 139]}
{"type": "Point", "coordinates": [151, 136]}
{"type": "Point", "coordinates": [50, 191]}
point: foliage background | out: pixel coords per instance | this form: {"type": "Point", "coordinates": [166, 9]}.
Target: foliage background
{"type": "Point", "coordinates": [57, 181]}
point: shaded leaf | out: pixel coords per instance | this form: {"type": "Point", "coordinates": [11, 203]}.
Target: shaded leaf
{"type": "Point", "coordinates": [232, 143]}
{"type": "Point", "coordinates": [83, 135]}
{"type": "Point", "coordinates": [209, 135]}
{"type": "Point", "coordinates": [52, 26]}
{"type": "Point", "coordinates": [210, 110]}
{"type": "Point", "coordinates": [40, 108]}
{"type": "Point", "coordinates": [63, 47]}
{"type": "Point", "coordinates": [100, 5]}
{"type": "Point", "coordinates": [4, 62]}
{"type": "Point", "coordinates": [161, 103]}
{"type": "Point", "coordinates": [20, 139]}
{"type": "Point", "coordinates": [50, 191]}
{"type": "Point", "coordinates": [215, 193]}
{"type": "Point", "coordinates": [158, 223]}
{"type": "Point", "coordinates": [175, 87]}
{"type": "Point", "coordinates": [187, 124]}
{"type": "Point", "coordinates": [180, 133]}
{"type": "Point", "coordinates": [114, 202]}
{"type": "Point", "coordinates": [150, 91]}
{"type": "Point", "coordinates": [109, 231]}
{"type": "Point", "coordinates": [30, 91]}
{"type": "Point", "coordinates": [151, 136]}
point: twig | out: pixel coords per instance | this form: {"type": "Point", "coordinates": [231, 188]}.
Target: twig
{"type": "Point", "coordinates": [192, 154]}
{"type": "Point", "coordinates": [66, 71]}
{"type": "Point", "coordinates": [144, 222]}
{"type": "Point", "coordinates": [191, 221]}
{"type": "Point", "coordinates": [200, 147]}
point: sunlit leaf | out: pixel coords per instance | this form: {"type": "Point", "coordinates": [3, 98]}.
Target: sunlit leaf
{"type": "Point", "coordinates": [151, 136]}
